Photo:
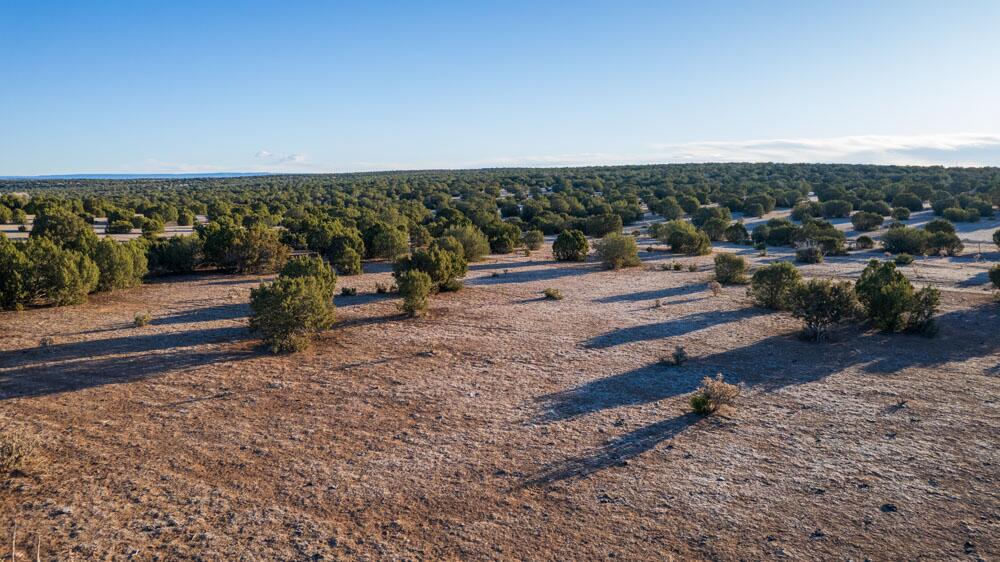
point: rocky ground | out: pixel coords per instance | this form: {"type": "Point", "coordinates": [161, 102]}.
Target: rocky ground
{"type": "Point", "coordinates": [504, 426]}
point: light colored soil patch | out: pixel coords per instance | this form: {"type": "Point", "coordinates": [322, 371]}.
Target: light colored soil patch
{"type": "Point", "coordinates": [504, 426]}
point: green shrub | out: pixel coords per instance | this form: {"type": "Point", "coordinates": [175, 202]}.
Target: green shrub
{"type": "Point", "coordinates": [443, 267]}
{"type": "Point", "coordinates": [533, 239]}
{"type": "Point", "coordinates": [142, 319]}
{"type": "Point", "coordinates": [684, 238]}
{"type": "Point", "coordinates": [995, 275]}
{"type": "Point", "coordinates": [713, 395]}
{"type": "Point", "coordinates": [553, 294]}
{"type": "Point", "coordinates": [66, 229]}
{"type": "Point", "coordinates": [475, 244]}
{"type": "Point", "coordinates": [737, 233]}
{"type": "Point", "coordinates": [15, 451]}
{"type": "Point", "coordinates": [715, 228]}
{"type": "Point", "coordinates": [730, 268]}
{"type": "Point", "coordinates": [347, 261]}
{"type": "Point", "coordinates": [177, 254]}
{"type": "Point", "coordinates": [880, 208]}
{"type": "Point", "coordinates": [864, 221]}
{"type": "Point", "coordinates": [305, 266]}
{"type": "Point", "coordinates": [414, 286]}
{"type": "Point", "coordinates": [505, 236]}
{"type": "Point", "coordinates": [947, 243]}
{"type": "Point", "coordinates": [754, 210]}
{"type": "Point", "coordinates": [996, 237]}
{"type": "Point", "coordinates": [901, 213]}
{"type": "Point", "coordinates": [122, 265]}
{"type": "Point", "coordinates": [389, 242]}
{"type": "Point", "coordinates": [940, 225]}
{"type": "Point", "coordinates": [57, 275]}
{"type": "Point", "coordinates": [120, 227]}
{"type": "Point", "coordinates": [348, 291]}
{"type": "Point", "coordinates": [909, 201]}
{"type": "Point", "coordinates": [809, 254]}
{"type": "Point", "coordinates": [617, 251]}
{"type": "Point", "coordinates": [806, 209]}
{"type": "Point", "coordinates": [570, 245]}
{"type": "Point", "coordinates": [903, 259]}
{"type": "Point", "coordinates": [836, 209]}
{"type": "Point", "coordinates": [14, 275]}
{"type": "Point", "coordinates": [289, 312]}
{"type": "Point", "coordinates": [890, 302]}
{"type": "Point", "coordinates": [864, 243]}
{"type": "Point", "coordinates": [905, 240]}
{"type": "Point", "coordinates": [771, 285]}
{"type": "Point", "coordinates": [822, 304]}
{"type": "Point", "coordinates": [238, 249]}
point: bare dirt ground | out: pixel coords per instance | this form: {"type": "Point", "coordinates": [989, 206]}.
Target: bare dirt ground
{"type": "Point", "coordinates": [504, 426]}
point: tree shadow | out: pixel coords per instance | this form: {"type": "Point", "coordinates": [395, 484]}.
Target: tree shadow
{"type": "Point", "coordinates": [510, 265]}
{"type": "Point", "coordinates": [205, 314]}
{"type": "Point", "coordinates": [785, 360]}
{"type": "Point", "coordinates": [75, 366]}
{"type": "Point", "coordinates": [671, 328]}
{"type": "Point", "coordinates": [348, 301]}
{"type": "Point", "coordinates": [614, 452]}
{"type": "Point", "coordinates": [654, 294]}
{"type": "Point", "coordinates": [534, 275]}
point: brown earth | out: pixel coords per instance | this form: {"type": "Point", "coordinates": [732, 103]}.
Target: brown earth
{"type": "Point", "coordinates": [503, 426]}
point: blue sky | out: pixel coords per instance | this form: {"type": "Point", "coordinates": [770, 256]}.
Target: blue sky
{"type": "Point", "coordinates": [106, 86]}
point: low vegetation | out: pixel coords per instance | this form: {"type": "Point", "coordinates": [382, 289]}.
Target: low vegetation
{"type": "Point", "coordinates": [730, 269]}
{"type": "Point", "coordinates": [617, 251]}
{"type": "Point", "coordinates": [771, 286]}
{"type": "Point", "coordinates": [714, 395]}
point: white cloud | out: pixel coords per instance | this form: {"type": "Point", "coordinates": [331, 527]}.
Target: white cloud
{"type": "Point", "coordinates": [949, 149]}
{"type": "Point", "coordinates": [275, 161]}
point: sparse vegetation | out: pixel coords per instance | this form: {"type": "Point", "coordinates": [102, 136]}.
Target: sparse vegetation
{"type": "Point", "coordinates": [142, 319]}
{"type": "Point", "coordinates": [890, 302]}
{"type": "Point", "coordinates": [730, 269]}
{"type": "Point", "coordinates": [570, 245]}
{"type": "Point", "coordinates": [289, 312]}
{"type": "Point", "coordinates": [771, 286]}
{"type": "Point", "coordinates": [809, 254]}
{"type": "Point", "coordinates": [822, 304]}
{"type": "Point", "coordinates": [414, 286]}
{"type": "Point", "coordinates": [617, 251]}
{"type": "Point", "coordinates": [15, 450]}
{"type": "Point", "coordinates": [553, 294]}
{"type": "Point", "coordinates": [714, 395]}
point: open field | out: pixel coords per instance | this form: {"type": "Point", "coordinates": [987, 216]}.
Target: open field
{"type": "Point", "coordinates": [504, 426]}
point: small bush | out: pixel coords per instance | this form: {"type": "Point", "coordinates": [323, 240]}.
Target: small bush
{"type": "Point", "coordinates": [570, 245]}
{"type": "Point", "coordinates": [475, 244]}
{"type": "Point", "coordinates": [414, 286]}
{"type": "Point", "coordinates": [142, 319]}
{"type": "Point", "coordinates": [715, 287]}
{"type": "Point", "coordinates": [864, 221]}
{"type": "Point", "coordinates": [730, 269]}
{"type": "Point", "coordinates": [305, 266]}
{"type": "Point", "coordinates": [677, 358]}
{"type": "Point", "coordinates": [905, 240]}
{"type": "Point", "coordinates": [771, 285]}
{"type": "Point", "coordinates": [617, 251]}
{"type": "Point", "coordinates": [996, 237]}
{"type": "Point", "coordinates": [444, 267]}
{"type": "Point", "coordinates": [891, 304]}
{"type": "Point", "coordinates": [809, 254]}
{"type": "Point", "coordinates": [995, 275]}
{"type": "Point", "coordinates": [737, 233]}
{"type": "Point", "coordinates": [714, 394]}
{"type": "Point", "coordinates": [864, 243]}
{"type": "Point", "coordinates": [553, 294]}
{"type": "Point", "coordinates": [533, 239]}
{"type": "Point", "coordinates": [381, 288]}
{"type": "Point", "coordinates": [822, 304]}
{"type": "Point", "coordinates": [901, 213]}
{"type": "Point", "coordinates": [289, 312]}
{"type": "Point", "coordinates": [15, 450]}
{"type": "Point", "coordinates": [348, 291]}
{"type": "Point", "coordinates": [903, 259]}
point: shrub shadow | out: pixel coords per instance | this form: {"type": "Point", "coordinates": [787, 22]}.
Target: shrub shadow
{"type": "Point", "coordinates": [672, 327]}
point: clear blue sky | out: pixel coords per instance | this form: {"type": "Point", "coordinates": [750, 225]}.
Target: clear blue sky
{"type": "Point", "coordinates": [179, 86]}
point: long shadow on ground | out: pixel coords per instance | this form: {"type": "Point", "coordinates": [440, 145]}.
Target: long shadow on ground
{"type": "Point", "coordinates": [767, 365]}
{"type": "Point", "coordinates": [614, 452]}
{"type": "Point", "coordinates": [75, 366]}
{"type": "Point", "coordinates": [672, 327]}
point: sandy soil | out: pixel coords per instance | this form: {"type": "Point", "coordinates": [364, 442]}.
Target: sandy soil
{"type": "Point", "coordinates": [504, 426]}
